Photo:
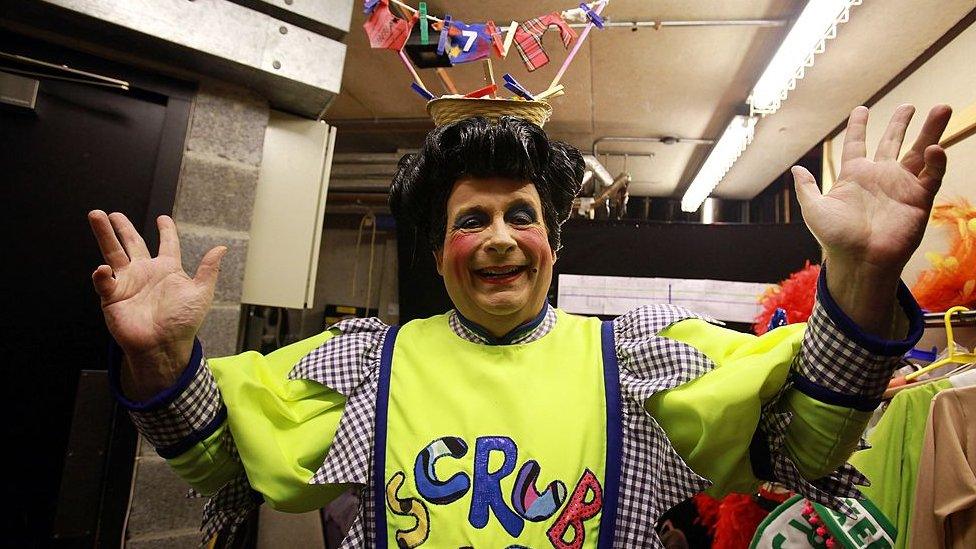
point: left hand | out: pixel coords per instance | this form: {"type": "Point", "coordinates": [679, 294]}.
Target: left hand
{"type": "Point", "coordinates": [875, 214]}
{"type": "Point", "coordinates": [873, 218]}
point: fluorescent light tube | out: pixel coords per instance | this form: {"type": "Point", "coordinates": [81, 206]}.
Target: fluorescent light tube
{"type": "Point", "coordinates": [816, 24]}
{"type": "Point", "coordinates": [729, 147]}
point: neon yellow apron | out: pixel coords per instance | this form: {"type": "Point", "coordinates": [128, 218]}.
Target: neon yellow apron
{"type": "Point", "coordinates": [497, 446]}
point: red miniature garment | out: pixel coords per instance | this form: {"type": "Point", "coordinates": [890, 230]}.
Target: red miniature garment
{"type": "Point", "coordinates": [528, 38]}
{"type": "Point", "coordinates": [385, 30]}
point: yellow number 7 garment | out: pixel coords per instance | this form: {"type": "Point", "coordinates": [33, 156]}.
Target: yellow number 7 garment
{"type": "Point", "coordinates": [498, 446]}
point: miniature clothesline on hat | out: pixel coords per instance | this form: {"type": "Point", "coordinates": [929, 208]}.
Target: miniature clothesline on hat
{"type": "Point", "coordinates": [459, 43]}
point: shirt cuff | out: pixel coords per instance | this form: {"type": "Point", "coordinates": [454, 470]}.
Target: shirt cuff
{"type": "Point", "coordinates": [179, 416]}
{"type": "Point", "coordinates": [839, 363]}
{"type": "Point", "coordinates": [872, 343]}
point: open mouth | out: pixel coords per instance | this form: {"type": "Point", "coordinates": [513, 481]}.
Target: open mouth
{"type": "Point", "coordinates": [503, 273]}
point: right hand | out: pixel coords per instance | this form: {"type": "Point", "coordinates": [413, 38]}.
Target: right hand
{"type": "Point", "coordinates": [152, 308]}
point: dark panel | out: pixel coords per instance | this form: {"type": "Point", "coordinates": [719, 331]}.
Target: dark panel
{"type": "Point", "coordinates": [84, 147]}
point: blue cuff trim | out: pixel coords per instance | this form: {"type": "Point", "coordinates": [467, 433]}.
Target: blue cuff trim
{"type": "Point", "coordinates": [191, 440]}
{"type": "Point", "coordinates": [829, 396]}
{"type": "Point", "coordinates": [871, 343]}
{"type": "Point", "coordinates": [164, 397]}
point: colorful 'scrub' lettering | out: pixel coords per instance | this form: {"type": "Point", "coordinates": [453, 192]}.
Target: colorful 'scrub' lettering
{"type": "Point", "coordinates": [577, 511]}
{"type": "Point", "coordinates": [407, 507]}
{"type": "Point", "coordinates": [487, 492]}
{"type": "Point", "coordinates": [528, 502]}
{"type": "Point", "coordinates": [428, 486]}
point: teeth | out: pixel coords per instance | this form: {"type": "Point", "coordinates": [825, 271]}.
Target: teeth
{"type": "Point", "coordinates": [495, 271]}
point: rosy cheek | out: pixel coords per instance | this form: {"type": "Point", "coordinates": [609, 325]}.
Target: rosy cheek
{"type": "Point", "coordinates": [534, 241]}
{"type": "Point", "coordinates": [458, 251]}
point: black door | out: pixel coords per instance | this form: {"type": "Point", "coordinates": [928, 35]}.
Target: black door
{"type": "Point", "coordinates": [83, 147]}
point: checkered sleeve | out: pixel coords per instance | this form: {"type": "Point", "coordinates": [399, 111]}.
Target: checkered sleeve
{"type": "Point", "coordinates": [839, 363]}
{"type": "Point", "coordinates": [181, 415]}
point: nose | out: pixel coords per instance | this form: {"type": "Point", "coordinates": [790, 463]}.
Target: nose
{"type": "Point", "coordinates": [500, 240]}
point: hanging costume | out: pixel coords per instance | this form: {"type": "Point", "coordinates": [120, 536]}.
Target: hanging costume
{"type": "Point", "coordinates": [700, 407]}
{"type": "Point", "coordinates": [385, 30]}
{"type": "Point", "coordinates": [528, 39]}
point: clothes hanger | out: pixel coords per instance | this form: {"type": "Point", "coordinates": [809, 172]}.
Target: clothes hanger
{"type": "Point", "coordinates": [953, 357]}
{"type": "Point", "coordinates": [892, 391]}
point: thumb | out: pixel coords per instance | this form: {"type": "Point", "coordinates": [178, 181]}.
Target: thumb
{"type": "Point", "coordinates": [210, 267]}
{"type": "Point", "coordinates": [807, 190]}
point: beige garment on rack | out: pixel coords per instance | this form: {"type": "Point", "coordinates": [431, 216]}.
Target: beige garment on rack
{"type": "Point", "coordinates": [944, 514]}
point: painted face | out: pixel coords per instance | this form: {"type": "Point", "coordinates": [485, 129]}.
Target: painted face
{"type": "Point", "coordinates": [496, 260]}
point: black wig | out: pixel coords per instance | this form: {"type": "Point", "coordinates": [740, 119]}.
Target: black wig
{"type": "Point", "coordinates": [512, 148]}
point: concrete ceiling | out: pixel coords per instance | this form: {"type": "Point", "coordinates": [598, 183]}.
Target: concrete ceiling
{"type": "Point", "coordinates": [675, 81]}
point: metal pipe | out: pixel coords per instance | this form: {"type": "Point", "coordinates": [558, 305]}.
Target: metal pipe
{"type": "Point", "coordinates": [666, 139]}
{"type": "Point", "coordinates": [702, 23]}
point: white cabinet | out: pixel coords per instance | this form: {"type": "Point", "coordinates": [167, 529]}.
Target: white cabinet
{"type": "Point", "coordinates": [286, 227]}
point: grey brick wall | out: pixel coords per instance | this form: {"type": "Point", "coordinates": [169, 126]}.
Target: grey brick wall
{"type": "Point", "coordinates": [216, 197]}
{"type": "Point", "coordinates": [213, 207]}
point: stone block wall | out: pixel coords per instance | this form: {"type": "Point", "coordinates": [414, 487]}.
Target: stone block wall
{"type": "Point", "coordinates": [213, 207]}
{"type": "Point", "coordinates": [216, 197]}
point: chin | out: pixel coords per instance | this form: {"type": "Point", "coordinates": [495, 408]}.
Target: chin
{"type": "Point", "coordinates": [500, 306]}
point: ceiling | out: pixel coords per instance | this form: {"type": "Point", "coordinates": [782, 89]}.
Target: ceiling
{"type": "Point", "coordinates": [675, 81]}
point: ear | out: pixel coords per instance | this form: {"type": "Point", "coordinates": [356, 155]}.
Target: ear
{"type": "Point", "coordinates": [439, 261]}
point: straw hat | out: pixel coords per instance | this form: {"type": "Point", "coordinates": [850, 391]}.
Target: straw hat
{"type": "Point", "coordinates": [445, 110]}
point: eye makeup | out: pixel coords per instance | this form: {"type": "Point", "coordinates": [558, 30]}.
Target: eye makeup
{"type": "Point", "coordinates": [522, 213]}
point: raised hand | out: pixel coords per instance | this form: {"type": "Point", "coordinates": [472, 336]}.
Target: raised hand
{"type": "Point", "coordinates": [873, 218]}
{"type": "Point", "coordinates": [152, 308]}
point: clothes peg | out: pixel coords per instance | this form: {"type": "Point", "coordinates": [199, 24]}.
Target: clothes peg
{"type": "Point", "coordinates": [517, 90]}
{"type": "Point", "coordinates": [489, 89]}
{"type": "Point", "coordinates": [421, 91]}
{"type": "Point", "coordinates": [551, 92]}
{"type": "Point", "coordinates": [424, 31]}
{"type": "Point", "coordinates": [593, 16]}
{"type": "Point", "coordinates": [489, 75]}
{"type": "Point", "coordinates": [369, 5]}
{"type": "Point", "coordinates": [445, 32]}
{"type": "Point", "coordinates": [496, 39]}
{"type": "Point", "coordinates": [509, 38]}
{"type": "Point", "coordinates": [512, 84]}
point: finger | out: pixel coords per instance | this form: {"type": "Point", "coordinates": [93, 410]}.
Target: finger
{"type": "Point", "coordinates": [210, 267]}
{"type": "Point", "coordinates": [935, 167]}
{"type": "Point", "coordinates": [133, 243]}
{"type": "Point", "coordinates": [854, 137]}
{"type": "Point", "coordinates": [894, 135]}
{"type": "Point", "coordinates": [103, 281]}
{"type": "Point", "coordinates": [932, 129]}
{"type": "Point", "coordinates": [807, 190]}
{"type": "Point", "coordinates": [108, 243]}
{"type": "Point", "coordinates": [169, 239]}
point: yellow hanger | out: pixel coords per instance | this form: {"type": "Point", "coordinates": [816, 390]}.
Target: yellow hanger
{"type": "Point", "coordinates": [953, 357]}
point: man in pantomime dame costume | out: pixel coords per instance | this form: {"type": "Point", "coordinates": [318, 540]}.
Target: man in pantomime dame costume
{"type": "Point", "coordinates": [506, 422]}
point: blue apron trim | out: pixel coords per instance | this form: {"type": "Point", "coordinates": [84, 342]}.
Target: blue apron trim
{"type": "Point", "coordinates": [611, 384]}
{"type": "Point", "coordinates": [379, 437]}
